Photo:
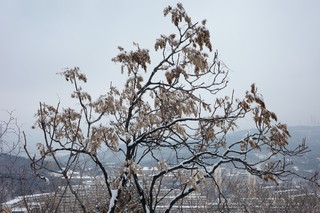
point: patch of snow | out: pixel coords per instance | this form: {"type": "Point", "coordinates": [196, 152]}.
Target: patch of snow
{"type": "Point", "coordinates": [114, 194]}
{"type": "Point", "coordinates": [147, 209]}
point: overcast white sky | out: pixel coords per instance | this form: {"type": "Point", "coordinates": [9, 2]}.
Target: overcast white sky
{"type": "Point", "coordinates": [273, 43]}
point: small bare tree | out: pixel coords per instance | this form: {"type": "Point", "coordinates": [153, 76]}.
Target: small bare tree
{"type": "Point", "coordinates": [16, 177]}
{"type": "Point", "coordinates": [10, 135]}
{"type": "Point", "coordinates": [10, 167]}
{"type": "Point", "coordinates": [173, 115]}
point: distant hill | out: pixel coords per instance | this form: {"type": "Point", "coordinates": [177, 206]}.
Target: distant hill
{"type": "Point", "coordinates": [12, 165]}
{"type": "Point", "coordinates": [13, 169]}
{"type": "Point", "coordinates": [308, 162]}
{"type": "Point", "coordinates": [17, 178]}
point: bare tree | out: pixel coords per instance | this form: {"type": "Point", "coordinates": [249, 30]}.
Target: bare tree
{"type": "Point", "coordinates": [174, 116]}
{"type": "Point", "coordinates": [16, 176]}
{"type": "Point", "coordinates": [10, 135]}
{"type": "Point", "coordinates": [10, 167]}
